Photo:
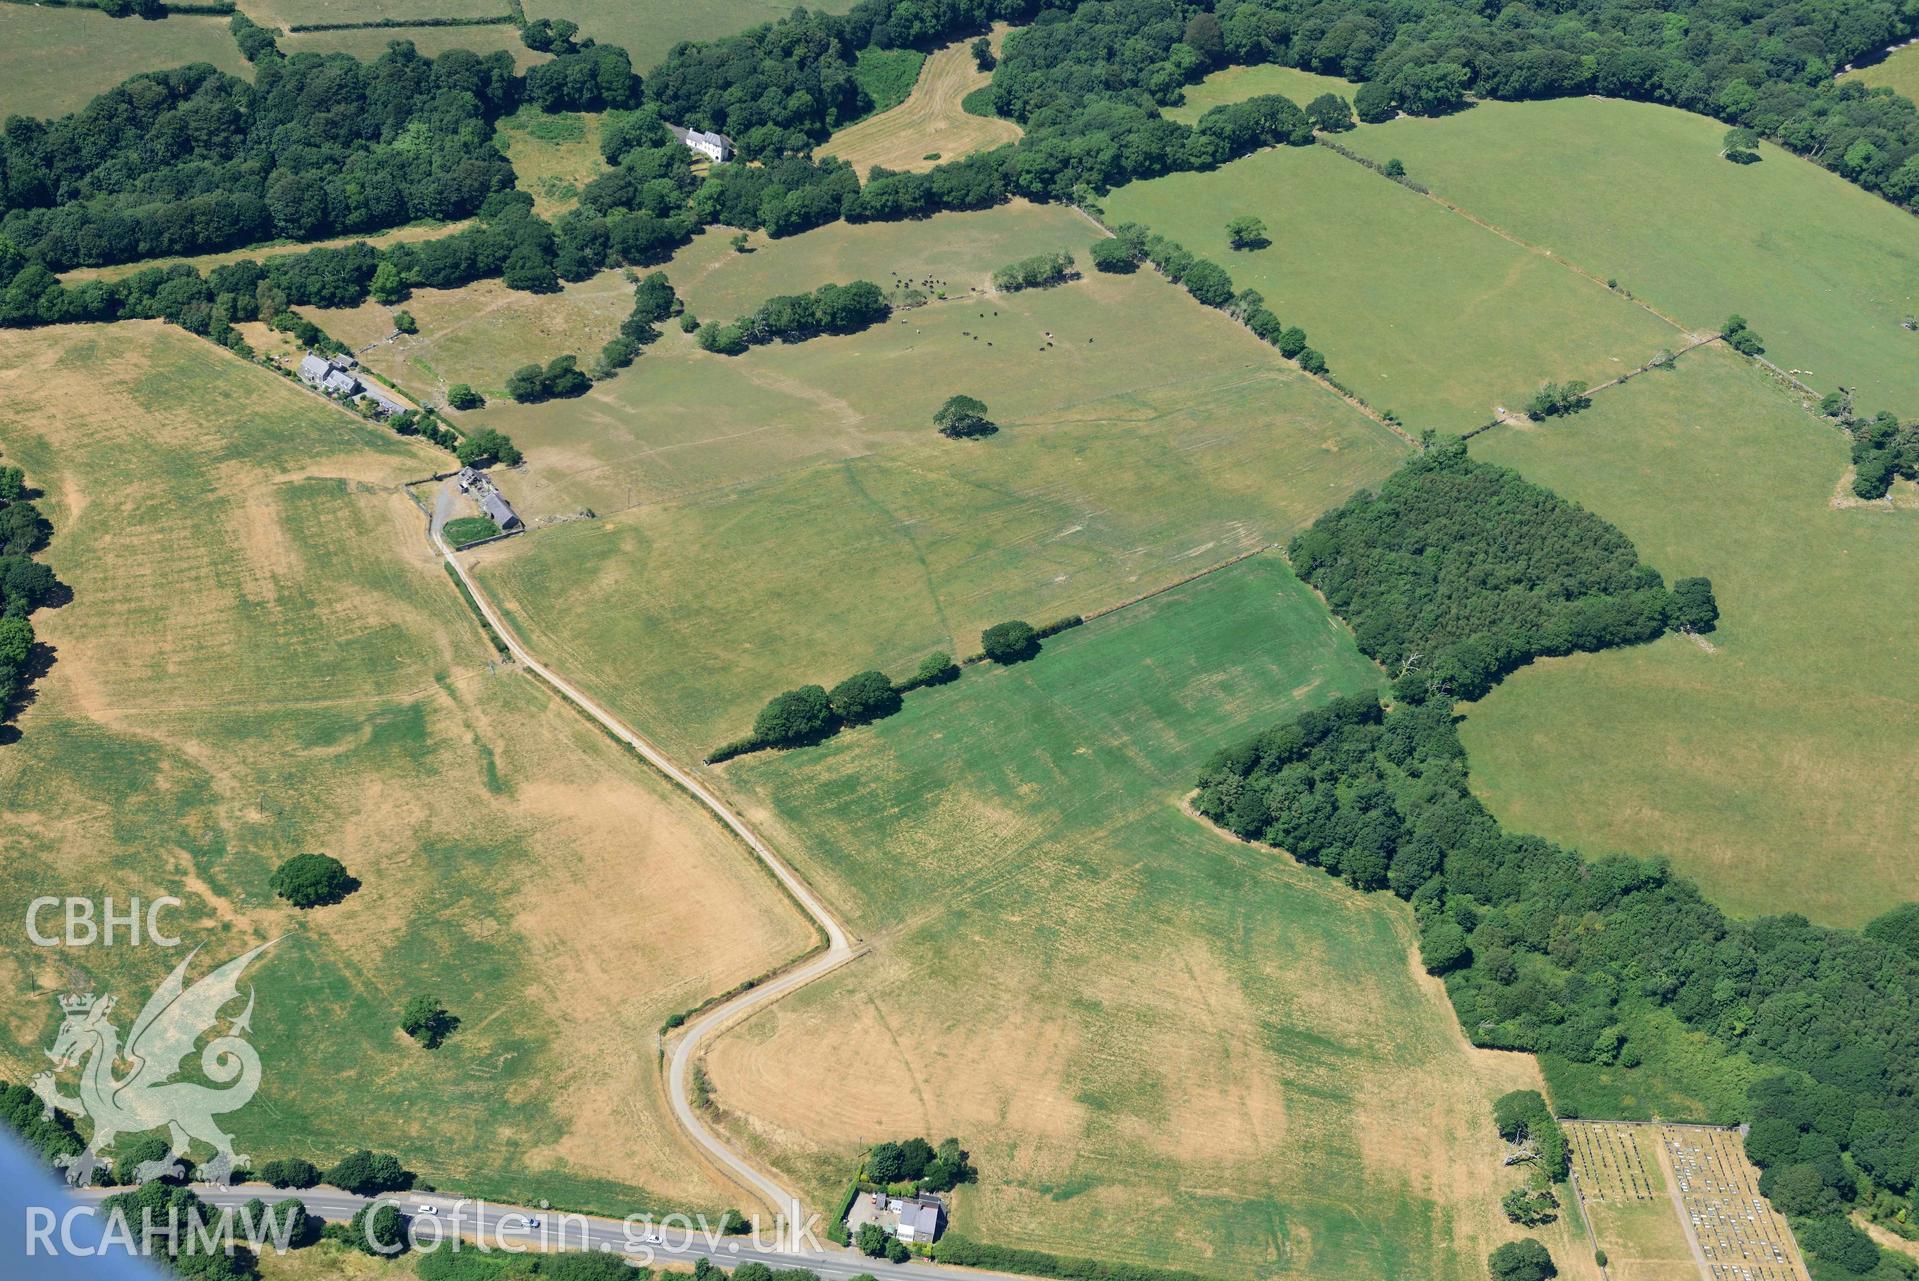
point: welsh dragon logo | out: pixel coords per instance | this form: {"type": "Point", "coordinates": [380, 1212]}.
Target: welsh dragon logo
{"type": "Point", "coordinates": [157, 1047]}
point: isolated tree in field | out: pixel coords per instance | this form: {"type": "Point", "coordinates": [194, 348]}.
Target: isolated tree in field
{"type": "Point", "coordinates": [1395, 168]}
{"type": "Point", "coordinates": [1330, 112]}
{"type": "Point", "coordinates": [1529, 1207]}
{"type": "Point", "coordinates": [865, 697]}
{"type": "Point", "coordinates": [484, 447]}
{"type": "Point", "coordinates": [461, 396]}
{"type": "Point", "coordinates": [962, 417]}
{"type": "Point", "coordinates": [803, 715]}
{"type": "Point", "coordinates": [313, 880]}
{"type": "Point", "coordinates": [982, 50]}
{"type": "Point", "coordinates": [405, 323]}
{"type": "Point", "coordinates": [1247, 232]}
{"type": "Point", "coordinates": [1694, 608]}
{"type": "Point", "coordinates": [427, 1021]}
{"type": "Point", "coordinates": [1010, 642]}
{"type": "Point", "coordinates": [738, 242]}
{"type": "Point", "coordinates": [1521, 1261]}
{"type": "Point", "coordinates": [387, 287]}
{"type": "Point", "coordinates": [1740, 145]}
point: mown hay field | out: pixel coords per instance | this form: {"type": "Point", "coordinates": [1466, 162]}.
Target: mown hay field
{"type": "Point", "coordinates": [1778, 768]}
{"type": "Point", "coordinates": [1414, 307]}
{"type": "Point", "coordinates": [54, 61]}
{"type": "Point", "coordinates": [1159, 1044]}
{"type": "Point", "coordinates": [791, 515]}
{"type": "Point", "coordinates": [647, 29]}
{"type": "Point", "coordinates": [1236, 84]}
{"type": "Point", "coordinates": [1824, 271]}
{"type": "Point", "coordinates": [261, 658]}
{"type": "Point", "coordinates": [931, 122]}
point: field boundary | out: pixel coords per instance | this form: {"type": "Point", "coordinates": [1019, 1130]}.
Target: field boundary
{"type": "Point", "coordinates": [1497, 230]}
{"type": "Point", "coordinates": [1658, 362]}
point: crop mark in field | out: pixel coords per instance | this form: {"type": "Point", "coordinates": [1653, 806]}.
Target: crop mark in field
{"type": "Point", "coordinates": [851, 471]}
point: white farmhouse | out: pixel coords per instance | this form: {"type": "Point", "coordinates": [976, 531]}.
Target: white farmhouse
{"type": "Point", "coordinates": [716, 147]}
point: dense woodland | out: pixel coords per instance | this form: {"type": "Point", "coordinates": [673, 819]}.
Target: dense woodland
{"type": "Point", "coordinates": [1541, 949]}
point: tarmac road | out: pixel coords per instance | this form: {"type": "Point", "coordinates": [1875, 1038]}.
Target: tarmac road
{"type": "Point", "coordinates": [508, 1229]}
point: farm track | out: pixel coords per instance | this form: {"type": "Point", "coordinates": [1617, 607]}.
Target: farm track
{"type": "Point", "coordinates": [684, 1049]}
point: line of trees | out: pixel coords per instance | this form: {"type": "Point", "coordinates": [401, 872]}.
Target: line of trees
{"type": "Point", "coordinates": [1208, 282]}
{"type": "Point", "coordinates": [1453, 574]}
{"type": "Point", "coordinates": [26, 585]}
{"type": "Point", "coordinates": [1041, 271]}
{"type": "Point", "coordinates": [830, 309]}
{"type": "Point", "coordinates": [812, 713]}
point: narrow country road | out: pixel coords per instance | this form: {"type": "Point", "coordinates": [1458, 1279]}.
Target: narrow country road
{"type": "Point", "coordinates": [439, 1217]}
{"type": "Point", "coordinates": [685, 1048]}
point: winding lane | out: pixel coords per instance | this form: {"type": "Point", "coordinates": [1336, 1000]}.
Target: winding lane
{"type": "Point", "coordinates": [684, 1048]}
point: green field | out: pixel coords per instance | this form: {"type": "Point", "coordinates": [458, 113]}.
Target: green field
{"type": "Point", "coordinates": [1414, 307]}
{"type": "Point", "coordinates": [368, 43]}
{"type": "Point", "coordinates": [1824, 271]}
{"type": "Point", "coordinates": [1159, 1044]}
{"type": "Point", "coordinates": [646, 29]}
{"type": "Point", "coordinates": [286, 13]}
{"type": "Point", "coordinates": [264, 657]}
{"type": "Point", "coordinates": [53, 61]}
{"type": "Point", "coordinates": [955, 252]}
{"type": "Point", "coordinates": [1236, 84]}
{"type": "Point", "coordinates": [1154, 439]}
{"type": "Point", "coordinates": [1899, 73]}
{"type": "Point", "coordinates": [1775, 770]}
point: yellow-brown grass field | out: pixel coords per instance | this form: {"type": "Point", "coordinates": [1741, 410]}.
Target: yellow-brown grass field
{"type": "Point", "coordinates": [261, 658]}
{"type": "Point", "coordinates": [1159, 1044]}
{"type": "Point", "coordinates": [1146, 439]}
{"type": "Point", "coordinates": [929, 123]}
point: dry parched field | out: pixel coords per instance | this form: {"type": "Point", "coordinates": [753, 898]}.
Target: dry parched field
{"type": "Point", "coordinates": [929, 123]}
{"type": "Point", "coordinates": [263, 658]}
{"type": "Point", "coordinates": [1159, 1044]}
